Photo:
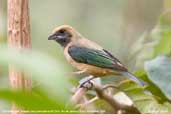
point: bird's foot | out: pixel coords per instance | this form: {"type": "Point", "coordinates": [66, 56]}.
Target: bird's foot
{"type": "Point", "coordinates": [86, 83]}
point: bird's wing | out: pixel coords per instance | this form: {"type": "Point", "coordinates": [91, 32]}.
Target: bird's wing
{"type": "Point", "coordinates": [99, 58]}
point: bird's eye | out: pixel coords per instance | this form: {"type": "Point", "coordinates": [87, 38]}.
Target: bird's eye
{"type": "Point", "coordinates": [61, 31]}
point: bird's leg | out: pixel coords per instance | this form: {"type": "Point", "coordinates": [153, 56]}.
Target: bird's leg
{"type": "Point", "coordinates": [83, 84]}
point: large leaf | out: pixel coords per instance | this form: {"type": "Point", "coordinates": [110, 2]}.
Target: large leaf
{"type": "Point", "coordinates": [159, 71]}
{"type": "Point", "coordinates": [152, 87]}
{"type": "Point", "coordinates": [36, 101]}
{"type": "Point", "coordinates": [30, 100]}
{"type": "Point", "coordinates": [145, 102]}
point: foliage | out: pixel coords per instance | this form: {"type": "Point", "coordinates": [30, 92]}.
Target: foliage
{"type": "Point", "coordinates": [163, 47]}
{"type": "Point", "coordinates": [145, 102]}
{"type": "Point", "coordinates": [158, 71]}
{"type": "Point", "coordinates": [152, 52]}
{"type": "Point", "coordinates": [44, 70]}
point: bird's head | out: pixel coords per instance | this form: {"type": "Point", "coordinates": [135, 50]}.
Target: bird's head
{"type": "Point", "coordinates": [64, 34]}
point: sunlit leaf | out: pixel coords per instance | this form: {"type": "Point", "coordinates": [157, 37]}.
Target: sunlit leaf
{"type": "Point", "coordinates": [164, 45]}
{"type": "Point", "coordinates": [158, 71]}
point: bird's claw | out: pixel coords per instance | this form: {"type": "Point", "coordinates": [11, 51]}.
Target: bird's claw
{"type": "Point", "coordinates": [87, 84]}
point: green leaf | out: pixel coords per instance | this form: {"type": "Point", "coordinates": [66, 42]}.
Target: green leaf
{"type": "Point", "coordinates": [158, 71]}
{"type": "Point", "coordinates": [164, 45]}
{"type": "Point", "coordinates": [29, 100]}
{"type": "Point", "coordinates": [146, 103]}
{"type": "Point", "coordinates": [165, 19]}
{"type": "Point", "coordinates": [154, 89]}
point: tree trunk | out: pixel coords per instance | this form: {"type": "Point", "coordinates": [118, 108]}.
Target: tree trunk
{"type": "Point", "coordinates": [18, 37]}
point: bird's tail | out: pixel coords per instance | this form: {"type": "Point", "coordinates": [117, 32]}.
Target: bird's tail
{"type": "Point", "coordinates": [134, 78]}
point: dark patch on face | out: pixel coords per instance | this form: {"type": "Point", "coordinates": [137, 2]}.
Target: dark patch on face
{"type": "Point", "coordinates": [63, 37]}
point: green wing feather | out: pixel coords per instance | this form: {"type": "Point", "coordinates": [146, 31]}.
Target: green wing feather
{"type": "Point", "coordinates": [99, 58]}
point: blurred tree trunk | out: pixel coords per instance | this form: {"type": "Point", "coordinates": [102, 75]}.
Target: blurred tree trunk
{"type": "Point", "coordinates": [139, 16]}
{"type": "Point", "coordinates": [18, 37]}
{"type": "Point", "coordinates": [2, 19]}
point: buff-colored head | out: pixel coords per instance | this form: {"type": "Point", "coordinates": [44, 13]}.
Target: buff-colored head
{"type": "Point", "coordinates": [64, 34]}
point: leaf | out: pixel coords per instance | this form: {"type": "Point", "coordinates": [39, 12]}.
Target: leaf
{"type": "Point", "coordinates": [36, 101]}
{"type": "Point", "coordinates": [159, 72]}
{"type": "Point", "coordinates": [164, 45]}
{"type": "Point", "coordinates": [165, 19]}
{"type": "Point", "coordinates": [145, 102]}
{"type": "Point", "coordinates": [154, 89]}
{"type": "Point", "coordinates": [29, 100]}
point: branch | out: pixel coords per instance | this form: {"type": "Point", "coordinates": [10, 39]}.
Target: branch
{"type": "Point", "coordinates": [115, 104]}
{"type": "Point", "coordinates": [76, 98]}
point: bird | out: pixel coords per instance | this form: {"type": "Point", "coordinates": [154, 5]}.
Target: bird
{"type": "Point", "coordinates": [87, 56]}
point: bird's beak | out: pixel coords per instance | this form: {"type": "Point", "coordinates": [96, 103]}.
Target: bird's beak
{"type": "Point", "coordinates": [55, 37]}
{"type": "Point", "coordinates": [52, 37]}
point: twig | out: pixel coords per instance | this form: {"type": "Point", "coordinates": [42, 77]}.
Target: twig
{"type": "Point", "coordinates": [81, 91]}
{"type": "Point", "coordinates": [78, 95]}
{"type": "Point", "coordinates": [115, 104]}
{"type": "Point", "coordinates": [88, 102]}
